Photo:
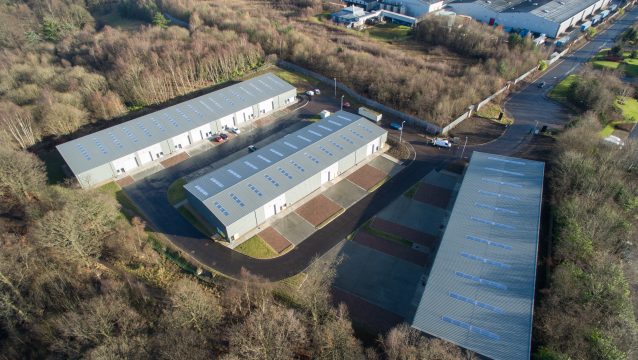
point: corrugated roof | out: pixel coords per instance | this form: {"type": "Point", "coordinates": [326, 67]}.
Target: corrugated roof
{"type": "Point", "coordinates": [104, 146]}
{"type": "Point", "coordinates": [480, 290]}
{"type": "Point", "coordinates": [241, 187]}
{"type": "Point", "coordinates": [553, 10]}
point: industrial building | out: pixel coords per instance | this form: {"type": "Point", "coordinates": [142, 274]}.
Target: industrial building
{"type": "Point", "coordinates": [242, 195]}
{"type": "Point", "coordinates": [549, 17]}
{"type": "Point", "coordinates": [121, 149]}
{"type": "Point", "coordinates": [480, 291]}
{"type": "Point", "coordinates": [413, 8]}
{"type": "Point", "coordinates": [355, 17]}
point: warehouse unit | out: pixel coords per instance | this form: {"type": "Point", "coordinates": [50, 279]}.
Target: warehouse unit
{"type": "Point", "coordinates": [550, 17]}
{"type": "Point", "coordinates": [240, 196]}
{"type": "Point", "coordinates": [480, 291]}
{"type": "Point", "coordinates": [121, 149]}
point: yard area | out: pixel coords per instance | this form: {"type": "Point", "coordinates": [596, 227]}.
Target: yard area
{"type": "Point", "coordinates": [628, 64]}
{"type": "Point", "coordinates": [629, 108]}
{"type": "Point", "coordinates": [256, 247]}
{"type": "Point", "coordinates": [560, 91]}
{"type": "Point", "coordinates": [389, 32]}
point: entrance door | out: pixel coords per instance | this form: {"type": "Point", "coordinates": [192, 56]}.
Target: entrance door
{"type": "Point", "coordinates": [275, 206]}
{"type": "Point", "coordinates": [330, 173]}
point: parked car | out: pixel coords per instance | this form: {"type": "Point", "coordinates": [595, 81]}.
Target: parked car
{"type": "Point", "coordinates": [396, 126]}
{"type": "Point", "coordinates": [235, 130]}
{"type": "Point", "coordinates": [541, 85]}
{"type": "Point", "coordinates": [346, 104]}
{"type": "Point", "coordinates": [218, 139]}
{"type": "Point", "coordinates": [317, 92]}
{"type": "Point", "coordinates": [439, 142]}
{"type": "Point", "coordinates": [223, 136]}
{"type": "Point", "coordinates": [252, 148]}
{"type": "Point", "coordinates": [310, 93]}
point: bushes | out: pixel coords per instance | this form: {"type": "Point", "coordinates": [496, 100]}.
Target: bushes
{"type": "Point", "coordinates": [587, 312]}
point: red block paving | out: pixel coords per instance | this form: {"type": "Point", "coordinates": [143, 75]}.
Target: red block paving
{"type": "Point", "coordinates": [274, 239]}
{"type": "Point", "coordinates": [433, 195]}
{"type": "Point", "coordinates": [318, 210]}
{"type": "Point", "coordinates": [174, 159]}
{"type": "Point", "coordinates": [404, 232]}
{"type": "Point", "coordinates": [127, 180]}
{"type": "Point", "coordinates": [366, 314]}
{"type": "Point", "coordinates": [367, 177]}
{"type": "Point", "coordinates": [391, 248]}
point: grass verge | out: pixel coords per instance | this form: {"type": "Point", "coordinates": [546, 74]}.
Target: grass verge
{"type": "Point", "coordinates": [560, 91]}
{"type": "Point", "coordinates": [186, 212]}
{"type": "Point", "coordinates": [629, 108]}
{"type": "Point", "coordinates": [389, 32]}
{"type": "Point", "coordinates": [390, 237]}
{"type": "Point", "coordinates": [257, 248]}
{"type": "Point", "coordinates": [332, 217]}
{"type": "Point", "coordinates": [176, 193]}
{"type": "Point", "coordinates": [491, 111]}
{"type": "Point", "coordinates": [411, 191]}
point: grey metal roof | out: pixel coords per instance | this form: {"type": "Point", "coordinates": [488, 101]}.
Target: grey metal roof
{"type": "Point", "coordinates": [241, 187]}
{"type": "Point", "coordinates": [101, 147]}
{"type": "Point", "coordinates": [480, 290]}
{"type": "Point", "coordinates": [553, 10]}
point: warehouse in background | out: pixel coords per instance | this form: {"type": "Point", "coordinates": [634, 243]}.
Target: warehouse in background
{"type": "Point", "coordinates": [121, 149]}
{"type": "Point", "coordinates": [550, 17]}
{"type": "Point", "coordinates": [480, 291]}
{"type": "Point", "coordinates": [242, 195]}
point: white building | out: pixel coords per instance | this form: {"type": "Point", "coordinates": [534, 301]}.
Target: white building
{"type": "Point", "coordinates": [550, 17]}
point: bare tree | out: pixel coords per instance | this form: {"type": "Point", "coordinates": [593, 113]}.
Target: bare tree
{"type": "Point", "coordinates": [314, 293]}
{"type": "Point", "coordinates": [271, 332]}
{"type": "Point", "coordinates": [335, 339]}
{"type": "Point", "coordinates": [406, 343]}
{"type": "Point", "coordinates": [194, 306]}
{"type": "Point", "coordinates": [22, 176]}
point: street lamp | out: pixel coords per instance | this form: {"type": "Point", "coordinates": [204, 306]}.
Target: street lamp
{"type": "Point", "coordinates": [335, 87]}
{"type": "Point", "coordinates": [342, 102]}
{"type": "Point", "coordinates": [464, 145]}
{"type": "Point", "coordinates": [401, 134]}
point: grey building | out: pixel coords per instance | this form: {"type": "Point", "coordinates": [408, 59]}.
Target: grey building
{"type": "Point", "coordinates": [240, 196]}
{"type": "Point", "coordinates": [121, 149]}
{"type": "Point", "coordinates": [480, 290]}
{"type": "Point", "coordinates": [549, 17]}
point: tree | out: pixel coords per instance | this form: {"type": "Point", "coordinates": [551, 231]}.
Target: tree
{"type": "Point", "coordinates": [314, 294]}
{"type": "Point", "coordinates": [335, 339]}
{"type": "Point", "coordinates": [80, 225]}
{"type": "Point", "coordinates": [406, 343]}
{"type": "Point", "coordinates": [22, 177]}
{"type": "Point", "coordinates": [194, 306]}
{"type": "Point", "coordinates": [51, 29]}
{"type": "Point", "coordinates": [271, 332]}
{"type": "Point", "coordinates": [160, 20]}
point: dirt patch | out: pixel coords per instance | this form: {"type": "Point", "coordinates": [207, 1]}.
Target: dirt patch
{"type": "Point", "coordinates": [318, 210]}
{"type": "Point", "coordinates": [276, 241]}
{"type": "Point", "coordinates": [404, 232]}
{"type": "Point", "coordinates": [367, 177]}
{"type": "Point", "coordinates": [174, 159]}
{"type": "Point", "coordinates": [433, 195]}
{"type": "Point", "coordinates": [366, 314]}
{"type": "Point", "coordinates": [392, 248]}
{"type": "Point", "coordinates": [125, 181]}
{"type": "Point", "coordinates": [478, 131]}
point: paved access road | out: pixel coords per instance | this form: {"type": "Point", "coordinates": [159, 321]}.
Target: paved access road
{"type": "Point", "coordinates": [528, 106]}
{"type": "Point", "coordinates": [531, 104]}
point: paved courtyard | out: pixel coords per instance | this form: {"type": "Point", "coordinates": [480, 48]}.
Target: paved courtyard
{"type": "Point", "coordinates": [367, 177]}
{"type": "Point", "coordinates": [273, 238]}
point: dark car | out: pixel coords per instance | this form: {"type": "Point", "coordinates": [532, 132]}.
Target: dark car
{"type": "Point", "coordinates": [396, 126]}
{"type": "Point", "coordinates": [541, 85]}
{"type": "Point", "coordinates": [218, 139]}
{"type": "Point", "coordinates": [252, 148]}
{"type": "Point", "coordinates": [223, 136]}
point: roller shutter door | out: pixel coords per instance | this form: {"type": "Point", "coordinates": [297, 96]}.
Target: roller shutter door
{"type": "Point", "coordinates": [181, 141]}
{"type": "Point", "coordinates": [201, 133]}
{"type": "Point", "coordinates": [150, 153]}
{"type": "Point", "coordinates": [266, 106]}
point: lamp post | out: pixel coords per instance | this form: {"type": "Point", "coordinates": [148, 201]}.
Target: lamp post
{"type": "Point", "coordinates": [401, 133]}
{"type": "Point", "coordinates": [335, 87]}
{"type": "Point", "coordinates": [464, 145]}
{"type": "Point", "coordinates": [342, 102]}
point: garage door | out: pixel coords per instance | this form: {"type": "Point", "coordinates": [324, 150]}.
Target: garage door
{"type": "Point", "coordinates": [124, 164]}
{"type": "Point", "coordinates": [181, 141]}
{"type": "Point", "coordinates": [329, 173]}
{"type": "Point", "coordinates": [227, 122]}
{"type": "Point", "coordinates": [275, 206]}
{"type": "Point", "coordinates": [150, 153]}
{"type": "Point", "coordinates": [266, 106]}
{"type": "Point", "coordinates": [201, 133]}
{"type": "Point", "coordinates": [244, 115]}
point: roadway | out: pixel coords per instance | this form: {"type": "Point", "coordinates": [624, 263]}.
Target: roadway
{"type": "Point", "coordinates": [529, 106]}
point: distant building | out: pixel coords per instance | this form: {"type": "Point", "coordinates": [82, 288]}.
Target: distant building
{"type": "Point", "coordinates": [242, 195]}
{"type": "Point", "coordinates": [550, 17]}
{"type": "Point", "coordinates": [121, 149]}
{"type": "Point", "coordinates": [480, 290]}
{"type": "Point", "coordinates": [413, 8]}
{"type": "Point", "coordinates": [351, 16]}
